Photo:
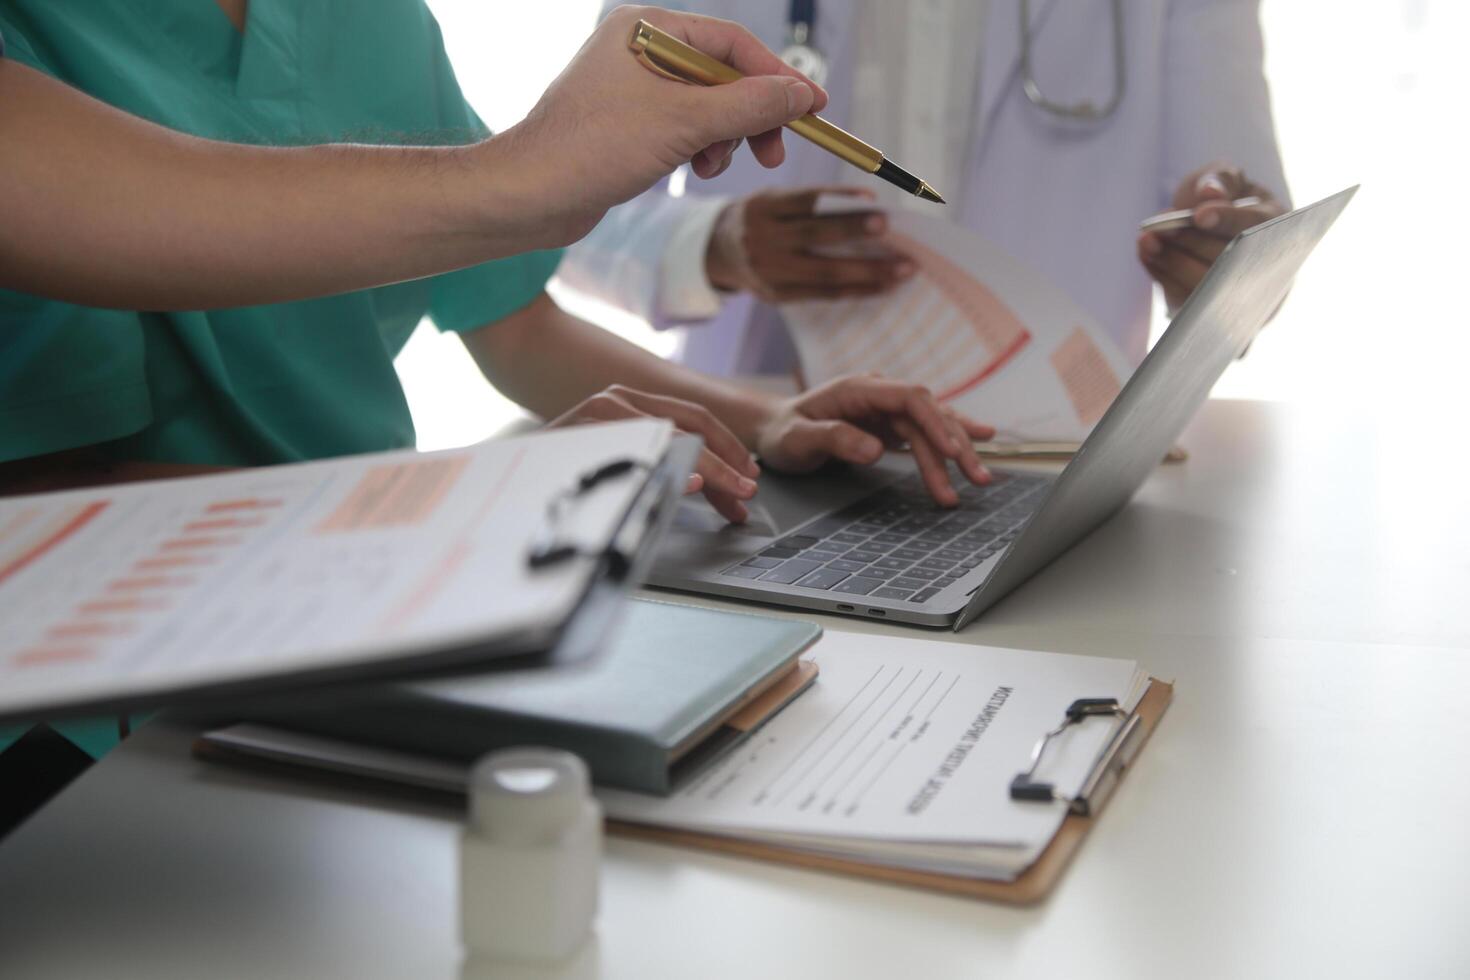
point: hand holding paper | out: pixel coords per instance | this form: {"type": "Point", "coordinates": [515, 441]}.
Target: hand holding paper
{"type": "Point", "coordinates": [775, 245]}
{"type": "Point", "coordinates": [991, 338]}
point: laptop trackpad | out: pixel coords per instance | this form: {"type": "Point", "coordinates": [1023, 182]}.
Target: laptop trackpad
{"type": "Point", "coordinates": [785, 503]}
{"type": "Point", "coordinates": [696, 514]}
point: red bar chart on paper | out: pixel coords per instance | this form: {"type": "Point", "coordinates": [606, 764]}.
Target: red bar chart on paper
{"type": "Point", "coordinates": [190, 581]}
{"type": "Point", "coordinates": [943, 326]}
{"type": "Point", "coordinates": [981, 330]}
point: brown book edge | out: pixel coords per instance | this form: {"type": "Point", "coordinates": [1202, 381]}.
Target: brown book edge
{"type": "Point", "coordinates": [756, 712]}
{"type": "Point", "coordinates": [1034, 884]}
{"type": "Point", "coordinates": [759, 702]}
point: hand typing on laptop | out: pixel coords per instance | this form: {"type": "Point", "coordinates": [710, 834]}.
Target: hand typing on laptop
{"type": "Point", "coordinates": [568, 370]}
{"type": "Point", "coordinates": [852, 419]}
{"type": "Point", "coordinates": [855, 418]}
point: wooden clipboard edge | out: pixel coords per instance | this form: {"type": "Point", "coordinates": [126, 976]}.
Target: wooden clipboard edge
{"type": "Point", "coordinates": [1033, 885]}
{"type": "Point", "coordinates": [1048, 452]}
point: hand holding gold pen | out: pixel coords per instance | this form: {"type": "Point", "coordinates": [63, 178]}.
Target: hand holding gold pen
{"type": "Point", "coordinates": [668, 56]}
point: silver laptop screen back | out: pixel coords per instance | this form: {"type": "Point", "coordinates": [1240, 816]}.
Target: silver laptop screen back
{"type": "Point", "coordinates": [1244, 287]}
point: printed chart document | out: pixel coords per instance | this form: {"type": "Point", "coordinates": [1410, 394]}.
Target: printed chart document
{"type": "Point", "coordinates": [987, 334]}
{"type": "Point", "coordinates": [902, 753]}
{"type": "Point", "coordinates": [122, 592]}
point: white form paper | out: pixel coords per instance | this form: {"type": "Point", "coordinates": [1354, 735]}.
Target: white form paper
{"type": "Point", "coordinates": [189, 582]}
{"type": "Point", "coordinates": [903, 752]}
{"type": "Point", "coordinates": [989, 335]}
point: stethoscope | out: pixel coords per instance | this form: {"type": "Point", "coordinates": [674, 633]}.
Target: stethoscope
{"type": "Point", "coordinates": [1086, 109]}
{"type": "Point", "coordinates": [803, 54]}
{"type": "Point", "coordinates": [801, 50]}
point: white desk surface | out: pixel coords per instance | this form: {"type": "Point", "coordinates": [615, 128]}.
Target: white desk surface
{"type": "Point", "coordinates": [1302, 811]}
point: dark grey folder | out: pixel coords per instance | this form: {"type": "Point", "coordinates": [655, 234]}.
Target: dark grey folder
{"type": "Point", "coordinates": [662, 701]}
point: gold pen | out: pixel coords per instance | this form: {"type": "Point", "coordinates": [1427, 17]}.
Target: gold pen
{"type": "Point", "coordinates": [668, 56]}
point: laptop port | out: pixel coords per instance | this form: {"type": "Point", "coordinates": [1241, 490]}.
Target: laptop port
{"type": "Point", "coordinates": [877, 612]}
{"type": "Point", "coordinates": [841, 607]}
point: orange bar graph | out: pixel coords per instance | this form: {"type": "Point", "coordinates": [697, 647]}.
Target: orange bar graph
{"type": "Point", "coordinates": [222, 524]}
{"type": "Point", "coordinates": [173, 561]}
{"type": "Point", "coordinates": [143, 582]}
{"type": "Point", "coordinates": [50, 655]}
{"type": "Point", "coordinates": [191, 543]}
{"type": "Point", "coordinates": [253, 503]}
{"type": "Point", "coordinates": [129, 604]}
{"type": "Point", "coordinates": [72, 631]}
{"type": "Point", "coordinates": [943, 328]}
{"type": "Point", "coordinates": [397, 495]}
{"type": "Point", "coordinates": [1086, 374]}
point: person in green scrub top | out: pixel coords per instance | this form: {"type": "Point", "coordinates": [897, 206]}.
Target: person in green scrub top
{"type": "Point", "coordinates": [222, 221]}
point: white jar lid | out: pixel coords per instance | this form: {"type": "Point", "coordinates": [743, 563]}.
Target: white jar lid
{"type": "Point", "coordinates": [527, 795]}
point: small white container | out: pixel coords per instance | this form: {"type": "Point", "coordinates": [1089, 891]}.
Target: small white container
{"type": "Point", "coordinates": [529, 856]}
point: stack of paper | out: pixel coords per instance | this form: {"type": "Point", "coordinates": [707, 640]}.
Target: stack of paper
{"type": "Point", "coordinates": [903, 753]}
{"type": "Point", "coordinates": [989, 335]}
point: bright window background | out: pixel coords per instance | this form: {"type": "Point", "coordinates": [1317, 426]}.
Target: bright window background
{"type": "Point", "coordinates": [1364, 91]}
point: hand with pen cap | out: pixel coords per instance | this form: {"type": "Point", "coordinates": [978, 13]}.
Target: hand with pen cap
{"type": "Point", "coordinates": [853, 420]}
{"type": "Point", "coordinates": [1179, 260]}
{"type": "Point", "coordinates": [608, 128]}
{"type": "Point", "coordinates": [231, 224]}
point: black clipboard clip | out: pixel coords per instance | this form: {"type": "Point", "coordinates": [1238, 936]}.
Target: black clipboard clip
{"type": "Point", "coordinates": [1103, 779]}
{"type": "Point", "coordinates": [551, 547]}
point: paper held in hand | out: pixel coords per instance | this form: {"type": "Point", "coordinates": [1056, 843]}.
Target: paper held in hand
{"type": "Point", "coordinates": [988, 335]}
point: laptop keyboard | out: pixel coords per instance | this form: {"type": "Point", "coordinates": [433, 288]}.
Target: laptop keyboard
{"type": "Point", "coordinates": [897, 543]}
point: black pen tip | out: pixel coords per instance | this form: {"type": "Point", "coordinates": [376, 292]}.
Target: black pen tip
{"type": "Point", "coordinates": [901, 178]}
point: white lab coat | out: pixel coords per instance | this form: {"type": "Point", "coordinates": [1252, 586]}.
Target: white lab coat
{"type": "Point", "coordinates": [1064, 196]}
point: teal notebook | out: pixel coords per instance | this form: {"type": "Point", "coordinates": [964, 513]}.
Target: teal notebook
{"type": "Point", "coordinates": [678, 687]}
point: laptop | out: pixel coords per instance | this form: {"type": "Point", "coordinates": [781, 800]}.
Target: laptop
{"type": "Point", "coordinates": [872, 543]}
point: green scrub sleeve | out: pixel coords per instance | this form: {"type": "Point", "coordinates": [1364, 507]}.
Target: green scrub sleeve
{"type": "Point", "coordinates": [94, 736]}
{"type": "Point", "coordinates": [10, 734]}
{"type": "Point", "coordinates": [482, 294]}
{"type": "Point", "coordinates": [13, 45]}
{"type": "Point", "coordinates": [63, 381]}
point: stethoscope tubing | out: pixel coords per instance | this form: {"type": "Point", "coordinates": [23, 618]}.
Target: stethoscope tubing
{"type": "Point", "coordinates": [801, 29]}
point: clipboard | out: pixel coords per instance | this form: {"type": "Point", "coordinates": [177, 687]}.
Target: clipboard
{"type": "Point", "coordinates": [263, 748]}
{"type": "Point", "coordinates": [1030, 887]}
{"type": "Point", "coordinates": [250, 509]}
